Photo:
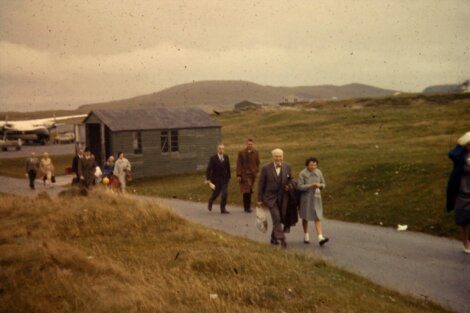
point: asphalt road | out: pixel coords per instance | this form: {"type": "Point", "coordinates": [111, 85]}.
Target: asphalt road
{"type": "Point", "coordinates": [412, 263]}
{"type": "Point", "coordinates": [20, 186]}
{"type": "Point", "coordinates": [39, 149]}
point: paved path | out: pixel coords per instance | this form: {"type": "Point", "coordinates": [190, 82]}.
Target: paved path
{"type": "Point", "coordinates": [39, 149]}
{"type": "Point", "coordinates": [20, 186]}
{"type": "Point", "coordinates": [412, 263]}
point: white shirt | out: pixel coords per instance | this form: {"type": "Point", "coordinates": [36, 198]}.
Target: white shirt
{"type": "Point", "coordinates": [278, 169]}
{"type": "Point", "coordinates": [221, 157]}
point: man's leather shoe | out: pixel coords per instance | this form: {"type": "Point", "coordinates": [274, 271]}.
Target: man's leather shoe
{"type": "Point", "coordinates": [224, 212]}
{"type": "Point", "coordinates": [248, 211]}
{"type": "Point", "coordinates": [274, 241]}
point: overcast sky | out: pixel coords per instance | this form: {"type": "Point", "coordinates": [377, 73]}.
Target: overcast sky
{"type": "Point", "coordinates": [59, 54]}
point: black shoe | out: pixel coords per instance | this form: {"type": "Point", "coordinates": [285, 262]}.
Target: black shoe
{"type": "Point", "coordinates": [248, 211]}
{"type": "Point", "coordinates": [224, 212]}
{"type": "Point", "coordinates": [274, 241]}
{"type": "Point", "coordinates": [323, 241]}
{"type": "Point", "coordinates": [209, 206]}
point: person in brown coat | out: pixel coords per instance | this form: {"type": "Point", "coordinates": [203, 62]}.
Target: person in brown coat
{"type": "Point", "coordinates": [247, 169]}
{"type": "Point", "coordinates": [86, 169]}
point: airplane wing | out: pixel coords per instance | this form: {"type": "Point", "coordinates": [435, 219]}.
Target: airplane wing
{"type": "Point", "coordinates": [52, 120]}
{"type": "Point", "coordinates": [31, 125]}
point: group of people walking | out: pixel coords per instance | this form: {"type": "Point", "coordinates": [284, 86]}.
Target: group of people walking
{"type": "Point", "coordinates": [88, 172]}
{"type": "Point", "coordinates": [278, 192]}
{"type": "Point", "coordinates": [44, 166]}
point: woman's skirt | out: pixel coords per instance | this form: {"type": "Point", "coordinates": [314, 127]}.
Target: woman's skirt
{"type": "Point", "coordinates": [462, 209]}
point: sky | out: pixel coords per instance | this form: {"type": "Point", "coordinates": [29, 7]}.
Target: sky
{"type": "Point", "coordinates": [61, 54]}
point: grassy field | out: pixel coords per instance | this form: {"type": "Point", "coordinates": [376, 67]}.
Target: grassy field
{"type": "Point", "coordinates": [106, 253]}
{"type": "Point", "coordinates": [384, 164]}
{"type": "Point", "coordinates": [15, 167]}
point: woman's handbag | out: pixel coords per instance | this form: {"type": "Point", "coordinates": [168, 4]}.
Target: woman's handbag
{"type": "Point", "coordinates": [128, 175]}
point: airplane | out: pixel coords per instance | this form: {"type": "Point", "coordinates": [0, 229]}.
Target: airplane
{"type": "Point", "coordinates": [32, 131]}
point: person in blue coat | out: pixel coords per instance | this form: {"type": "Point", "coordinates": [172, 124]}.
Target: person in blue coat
{"type": "Point", "coordinates": [108, 167]}
{"type": "Point", "coordinates": [458, 187]}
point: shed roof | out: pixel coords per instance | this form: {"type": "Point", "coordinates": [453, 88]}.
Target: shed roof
{"type": "Point", "coordinates": [154, 118]}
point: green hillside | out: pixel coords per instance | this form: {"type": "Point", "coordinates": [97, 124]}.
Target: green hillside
{"type": "Point", "coordinates": [384, 160]}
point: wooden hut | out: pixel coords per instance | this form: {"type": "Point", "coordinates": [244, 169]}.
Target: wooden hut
{"type": "Point", "coordinates": [157, 141]}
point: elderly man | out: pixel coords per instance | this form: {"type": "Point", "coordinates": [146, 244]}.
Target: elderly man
{"type": "Point", "coordinates": [273, 182]}
{"type": "Point", "coordinates": [218, 173]}
{"type": "Point", "coordinates": [32, 169]}
{"type": "Point", "coordinates": [247, 169]}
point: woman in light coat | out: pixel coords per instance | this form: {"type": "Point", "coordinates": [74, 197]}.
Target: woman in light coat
{"type": "Point", "coordinates": [47, 168]}
{"type": "Point", "coordinates": [310, 183]}
{"type": "Point", "coordinates": [121, 167]}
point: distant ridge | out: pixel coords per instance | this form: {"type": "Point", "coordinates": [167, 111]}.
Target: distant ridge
{"type": "Point", "coordinates": [450, 88]}
{"type": "Point", "coordinates": [224, 94]}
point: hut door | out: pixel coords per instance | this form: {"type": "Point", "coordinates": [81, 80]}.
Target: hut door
{"type": "Point", "coordinates": [93, 132]}
{"type": "Point", "coordinates": [107, 142]}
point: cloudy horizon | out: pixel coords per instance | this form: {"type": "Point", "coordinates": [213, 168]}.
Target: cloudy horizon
{"type": "Point", "coordinates": [58, 55]}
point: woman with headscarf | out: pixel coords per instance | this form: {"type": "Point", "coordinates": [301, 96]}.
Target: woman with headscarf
{"type": "Point", "coordinates": [458, 187]}
{"type": "Point", "coordinates": [47, 168]}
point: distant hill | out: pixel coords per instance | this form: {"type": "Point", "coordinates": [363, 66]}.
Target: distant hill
{"type": "Point", "coordinates": [224, 94]}
{"type": "Point", "coordinates": [450, 88]}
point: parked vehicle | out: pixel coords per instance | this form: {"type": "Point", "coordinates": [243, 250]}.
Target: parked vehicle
{"type": "Point", "coordinates": [14, 144]}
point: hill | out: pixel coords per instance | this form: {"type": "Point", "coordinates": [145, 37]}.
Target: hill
{"type": "Point", "coordinates": [450, 88]}
{"type": "Point", "coordinates": [108, 253]}
{"type": "Point", "coordinates": [222, 95]}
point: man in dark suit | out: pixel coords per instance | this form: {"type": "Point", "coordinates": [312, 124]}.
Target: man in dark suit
{"type": "Point", "coordinates": [272, 188]}
{"type": "Point", "coordinates": [76, 163]}
{"type": "Point", "coordinates": [218, 174]}
{"type": "Point", "coordinates": [32, 169]}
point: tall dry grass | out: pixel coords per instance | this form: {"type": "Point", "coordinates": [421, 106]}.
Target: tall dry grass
{"type": "Point", "coordinates": [107, 253]}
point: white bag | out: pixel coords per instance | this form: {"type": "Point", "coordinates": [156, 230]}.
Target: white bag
{"type": "Point", "coordinates": [211, 185]}
{"type": "Point", "coordinates": [98, 172]}
{"type": "Point", "coordinates": [261, 219]}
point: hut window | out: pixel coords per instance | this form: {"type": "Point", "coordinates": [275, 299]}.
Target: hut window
{"type": "Point", "coordinates": [164, 146]}
{"type": "Point", "coordinates": [137, 142]}
{"type": "Point", "coordinates": [174, 141]}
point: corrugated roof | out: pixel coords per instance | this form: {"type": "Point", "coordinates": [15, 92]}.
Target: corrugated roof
{"type": "Point", "coordinates": [154, 118]}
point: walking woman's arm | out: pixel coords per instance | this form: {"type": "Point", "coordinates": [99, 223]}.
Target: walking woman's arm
{"type": "Point", "coordinates": [322, 181]}
{"type": "Point", "coordinates": [302, 185]}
